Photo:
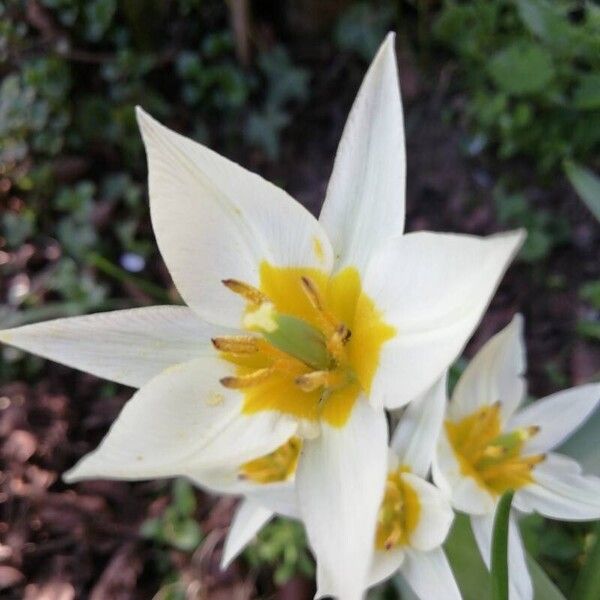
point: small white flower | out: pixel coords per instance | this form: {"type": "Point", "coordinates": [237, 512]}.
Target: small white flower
{"type": "Point", "coordinates": [317, 324]}
{"type": "Point", "coordinates": [490, 445]}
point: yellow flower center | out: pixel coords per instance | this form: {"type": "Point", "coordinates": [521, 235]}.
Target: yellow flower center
{"type": "Point", "coordinates": [399, 513]}
{"type": "Point", "coordinates": [492, 458]}
{"type": "Point", "coordinates": [318, 348]}
{"type": "Point", "coordinates": [279, 465]}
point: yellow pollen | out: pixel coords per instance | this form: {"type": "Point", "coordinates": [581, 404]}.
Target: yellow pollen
{"type": "Point", "coordinates": [249, 293]}
{"type": "Point", "coordinates": [319, 348]}
{"type": "Point", "coordinates": [279, 465]}
{"type": "Point", "coordinates": [494, 459]}
{"type": "Point", "coordinates": [238, 344]}
{"type": "Point", "coordinates": [399, 513]}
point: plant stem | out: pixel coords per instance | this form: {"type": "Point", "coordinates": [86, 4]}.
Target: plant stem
{"type": "Point", "coordinates": [500, 548]}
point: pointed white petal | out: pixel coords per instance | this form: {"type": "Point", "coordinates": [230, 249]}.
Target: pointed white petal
{"type": "Point", "coordinates": [126, 346]}
{"type": "Point", "coordinates": [464, 492]}
{"type": "Point", "coordinates": [558, 416]}
{"type": "Point", "coordinates": [385, 564]}
{"type": "Point", "coordinates": [340, 482]}
{"type": "Point", "coordinates": [249, 519]}
{"type": "Point", "coordinates": [181, 421]}
{"type": "Point", "coordinates": [418, 431]}
{"type": "Point", "coordinates": [435, 514]}
{"type": "Point", "coordinates": [433, 288]}
{"type": "Point", "coordinates": [214, 220]}
{"type": "Point", "coordinates": [365, 197]}
{"type": "Point", "coordinates": [520, 584]}
{"type": "Point", "coordinates": [278, 497]}
{"type": "Point", "coordinates": [429, 575]}
{"type": "Point", "coordinates": [561, 491]}
{"type": "Point", "coordinates": [494, 374]}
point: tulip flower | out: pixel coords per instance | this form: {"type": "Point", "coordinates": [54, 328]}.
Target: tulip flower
{"type": "Point", "coordinates": [490, 445]}
{"type": "Point", "coordinates": [293, 326]}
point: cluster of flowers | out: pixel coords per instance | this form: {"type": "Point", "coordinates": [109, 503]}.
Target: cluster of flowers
{"type": "Point", "coordinates": [303, 340]}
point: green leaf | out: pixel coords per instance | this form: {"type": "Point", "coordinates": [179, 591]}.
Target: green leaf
{"type": "Point", "coordinates": [587, 586]}
{"type": "Point", "coordinates": [521, 69]}
{"type": "Point", "coordinates": [500, 548]}
{"type": "Point", "coordinates": [543, 588]}
{"type": "Point", "coordinates": [587, 93]}
{"type": "Point", "coordinates": [184, 498]}
{"type": "Point", "coordinates": [469, 569]}
{"type": "Point", "coordinates": [586, 184]}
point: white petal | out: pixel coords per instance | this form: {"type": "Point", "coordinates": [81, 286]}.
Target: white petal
{"type": "Point", "coordinates": [520, 584]}
{"type": "Point", "coordinates": [214, 220]}
{"type": "Point", "coordinates": [181, 421]}
{"type": "Point", "coordinates": [433, 288]}
{"type": "Point", "coordinates": [435, 516]}
{"type": "Point", "coordinates": [418, 431]}
{"type": "Point", "coordinates": [126, 346]}
{"type": "Point", "coordinates": [429, 575]}
{"type": "Point", "coordinates": [365, 197]}
{"type": "Point", "coordinates": [561, 491]}
{"type": "Point", "coordinates": [464, 492]}
{"type": "Point", "coordinates": [494, 374]}
{"type": "Point", "coordinates": [558, 416]}
{"type": "Point", "coordinates": [385, 564]}
{"type": "Point", "coordinates": [340, 483]}
{"type": "Point", "coordinates": [278, 497]}
{"type": "Point", "coordinates": [249, 519]}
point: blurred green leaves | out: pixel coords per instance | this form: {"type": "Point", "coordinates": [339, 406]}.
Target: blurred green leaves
{"type": "Point", "coordinates": [281, 545]}
{"type": "Point", "coordinates": [177, 526]}
{"type": "Point", "coordinates": [531, 71]}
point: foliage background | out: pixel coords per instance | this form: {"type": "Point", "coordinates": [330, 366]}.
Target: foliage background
{"type": "Point", "coordinates": [502, 103]}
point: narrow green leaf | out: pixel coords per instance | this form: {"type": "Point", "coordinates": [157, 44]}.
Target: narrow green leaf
{"type": "Point", "coordinates": [499, 568]}
{"type": "Point", "coordinates": [586, 184]}
{"type": "Point", "coordinates": [543, 588]}
{"type": "Point", "coordinates": [587, 586]}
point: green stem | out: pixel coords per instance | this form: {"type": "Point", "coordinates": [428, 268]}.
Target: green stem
{"type": "Point", "coordinates": [104, 265]}
{"type": "Point", "coordinates": [587, 586]}
{"type": "Point", "coordinates": [500, 548]}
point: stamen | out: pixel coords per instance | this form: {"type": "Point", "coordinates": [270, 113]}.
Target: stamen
{"type": "Point", "coordinates": [528, 432]}
{"type": "Point", "coordinates": [314, 296]}
{"type": "Point", "coordinates": [244, 381]}
{"type": "Point", "coordinates": [248, 292]}
{"type": "Point", "coordinates": [236, 344]}
{"type": "Point", "coordinates": [308, 382]}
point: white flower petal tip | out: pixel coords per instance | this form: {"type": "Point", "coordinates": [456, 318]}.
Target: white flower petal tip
{"type": "Point", "coordinates": [249, 519]}
{"type": "Point", "coordinates": [495, 374]}
{"type": "Point", "coordinates": [214, 220]}
{"type": "Point", "coordinates": [127, 346]}
{"type": "Point", "coordinates": [574, 406]}
{"type": "Point", "coordinates": [441, 285]}
{"type": "Point", "coordinates": [365, 197]}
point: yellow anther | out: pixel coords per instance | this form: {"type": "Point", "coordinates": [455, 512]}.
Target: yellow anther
{"type": "Point", "coordinates": [494, 452]}
{"type": "Point", "coordinates": [279, 465]}
{"type": "Point", "coordinates": [313, 294]}
{"type": "Point", "coordinates": [528, 432]}
{"type": "Point", "coordinates": [248, 292]}
{"type": "Point", "coordinates": [236, 344]}
{"type": "Point", "coordinates": [308, 382]}
{"type": "Point", "coordinates": [245, 381]}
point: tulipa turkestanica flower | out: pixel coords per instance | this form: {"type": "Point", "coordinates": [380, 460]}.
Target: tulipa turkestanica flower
{"type": "Point", "coordinates": [414, 516]}
{"type": "Point", "coordinates": [490, 445]}
{"type": "Point", "coordinates": [294, 327]}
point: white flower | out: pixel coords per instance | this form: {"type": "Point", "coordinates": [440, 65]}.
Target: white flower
{"type": "Point", "coordinates": [317, 324]}
{"type": "Point", "coordinates": [490, 445]}
{"type": "Point", "coordinates": [414, 516]}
